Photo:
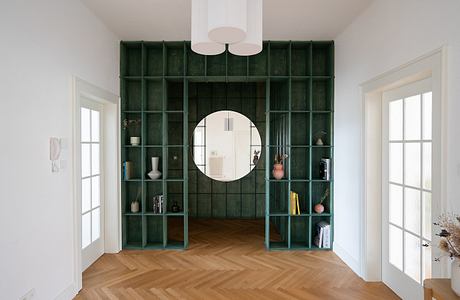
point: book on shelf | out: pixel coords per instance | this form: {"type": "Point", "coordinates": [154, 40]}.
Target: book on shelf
{"type": "Point", "coordinates": [158, 204]}
{"type": "Point", "coordinates": [323, 235]}
{"type": "Point", "coordinates": [295, 207]}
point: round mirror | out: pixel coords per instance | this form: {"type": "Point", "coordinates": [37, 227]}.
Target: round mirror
{"type": "Point", "coordinates": [226, 145]}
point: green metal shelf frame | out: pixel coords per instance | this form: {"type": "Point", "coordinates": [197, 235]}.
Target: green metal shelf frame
{"type": "Point", "coordinates": [257, 69]}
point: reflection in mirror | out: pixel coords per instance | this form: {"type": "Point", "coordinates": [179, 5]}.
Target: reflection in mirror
{"type": "Point", "coordinates": [226, 145]}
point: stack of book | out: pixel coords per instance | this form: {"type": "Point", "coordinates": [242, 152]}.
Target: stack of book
{"type": "Point", "coordinates": [158, 204]}
{"type": "Point", "coordinates": [323, 237]}
{"type": "Point", "coordinates": [295, 208]}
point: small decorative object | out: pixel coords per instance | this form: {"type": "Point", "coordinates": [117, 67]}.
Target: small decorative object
{"type": "Point", "coordinates": [55, 153]}
{"type": "Point", "coordinates": [324, 169]}
{"type": "Point", "coordinates": [255, 159]}
{"type": "Point", "coordinates": [135, 203]}
{"type": "Point", "coordinates": [155, 174]}
{"type": "Point", "coordinates": [319, 208]}
{"type": "Point", "coordinates": [127, 170]}
{"type": "Point", "coordinates": [158, 204]}
{"type": "Point", "coordinates": [135, 140]}
{"type": "Point", "coordinates": [127, 123]}
{"type": "Point", "coordinates": [278, 170]}
{"type": "Point", "coordinates": [450, 243]}
{"type": "Point", "coordinates": [319, 136]}
{"type": "Point", "coordinates": [175, 208]}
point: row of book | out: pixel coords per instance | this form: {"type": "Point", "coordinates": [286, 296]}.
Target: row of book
{"type": "Point", "coordinates": [323, 235]}
{"type": "Point", "coordinates": [158, 204]}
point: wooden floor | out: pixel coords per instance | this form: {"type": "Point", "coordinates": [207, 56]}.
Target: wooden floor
{"type": "Point", "coordinates": [226, 260]}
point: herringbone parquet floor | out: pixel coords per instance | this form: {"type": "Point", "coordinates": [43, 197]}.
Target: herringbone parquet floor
{"type": "Point", "coordinates": [226, 260]}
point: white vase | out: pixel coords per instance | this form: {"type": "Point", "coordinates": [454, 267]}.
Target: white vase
{"type": "Point", "coordinates": [155, 174]}
{"type": "Point", "coordinates": [455, 278]}
{"type": "Point", "coordinates": [135, 206]}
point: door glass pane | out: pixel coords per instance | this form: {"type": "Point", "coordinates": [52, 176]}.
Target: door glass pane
{"type": "Point", "coordinates": [426, 228]}
{"type": "Point", "coordinates": [396, 120]}
{"type": "Point", "coordinates": [426, 252]}
{"type": "Point", "coordinates": [396, 204]}
{"type": "Point", "coordinates": [85, 160]}
{"type": "Point", "coordinates": [95, 159]}
{"type": "Point", "coordinates": [94, 126]}
{"type": "Point", "coordinates": [85, 124]}
{"type": "Point", "coordinates": [412, 210]}
{"type": "Point", "coordinates": [96, 224]}
{"type": "Point", "coordinates": [85, 195]}
{"type": "Point", "coordinates": [412, 164]}
{"type": "Point", "coordinates": [85, 230]}
{"type": "Point", "coordinates": [412, 118]}
{"type": "Point", "coordinates": [395, 247]}
{"type": "Point", "coordinates": [427, 113]}
{"type": "Point", "coordinates": [412, 256]}
{"type": "Point", "coordinates": [95, 192]}
{"type": "Point", "coordinates": [427, 166]}
{"type": "Point", "coordinates": [396, 162]}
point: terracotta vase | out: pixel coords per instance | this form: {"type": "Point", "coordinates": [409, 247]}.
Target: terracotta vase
{"type": "Point", "coordinates": [455, 278]}
{"type": "Point", "coordinates": [319, 208]}
{"type": "Point", "coordinates": [278, 171]}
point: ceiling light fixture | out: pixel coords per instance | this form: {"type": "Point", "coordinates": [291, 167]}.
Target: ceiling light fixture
{"type": "Point", "coordinates": [234, 22]}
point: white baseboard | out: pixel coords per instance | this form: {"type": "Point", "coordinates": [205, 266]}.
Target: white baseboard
{"type": "Point", "coordinates": [68, 293]}
{"type": "Point", "coordinates": [347, 259]}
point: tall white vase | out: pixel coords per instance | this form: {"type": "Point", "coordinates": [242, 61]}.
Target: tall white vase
{"type": "Point", "coordinates": [455, 278]}
{"type": "Point", "coordinates": [155, 174]}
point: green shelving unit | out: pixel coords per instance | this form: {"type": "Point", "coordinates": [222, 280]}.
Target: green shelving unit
{"type": "Point", "coordinates": [155, 77]}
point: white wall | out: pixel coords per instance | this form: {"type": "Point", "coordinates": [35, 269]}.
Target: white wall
{"type": "Point", "coordinates": [43, 43]}
{"type": "Point", "coordinates": [388, 34]}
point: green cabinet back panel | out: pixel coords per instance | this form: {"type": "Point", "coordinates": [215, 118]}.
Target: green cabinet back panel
{"type": "Point", "coordinates": [287, 90]}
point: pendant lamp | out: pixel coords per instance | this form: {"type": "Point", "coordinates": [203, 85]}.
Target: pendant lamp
{"type": "Point", "coordinates": [252, 44]}
{"type": "Point", "coordinates": [201, 43]}
{"type": "Point", "coordinates": [227, 20]}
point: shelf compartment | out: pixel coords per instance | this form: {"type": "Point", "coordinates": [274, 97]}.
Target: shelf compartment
{"type": "Point", "coordinates": [302, 188]}
{"type": "Point", "coordinates": [322, 128]}
{"type": "Point", "coordinates": [153, 59]}
{"type": "Point", "coordinates": [279, 95]}
{"type": "Point", "coordinates": [175, 163]}
{"type": "Point", "coordinates": [300, 233]}
{"type": "Point", "coordinates": [216, 65]}
{"type": "Point", "coordinates": [300, 131]}
{"type": "Point", "coordinates": [153, 189]}
{"type": "Point", "coordinates": [175, 59]}
{"type": "Point", "coordinates": [237, 65]}
{"type": "Point", "coordinates": [318, 189]}
{"type": "Point", "coordinates": [300, 95]}
{"type": "Point", "coordinates": [195, 63]}
{"type": "Point", "coordinates": [234, 96]}
{"type": "Point", "coordinates": [154, 95]}
{"type": "Point", "coordinates": [258, 63]}
{"type": "Point", "coordinates": [154, 226]}
{"type": "Point", "coordinates": [300, 163]}
{"type": "Point", "coordinates": [279, 59]}
{"type": "Point", "coordinates": [175, 232]}
{"type": "Point", "coordinates": [274, 150]}
{"type": "Point", "coordinates": [279, 231]}
{"type": "Point", "coordinates": [279, 129]}
{"type": "Point", "coordinates": [131, 126]}
{"type": "Point", "coordinates": [279, 197]}
{"type": "Point", "coordinates": [317, 155]}
{"type": "Point", "coordinates": [132, 59]}
{"type": "Point", "coordinates": [131, 192]}
{"type": "Point", "coordinates": [133, 227]}
{"type": "Point", "coordinates": [154, 129]}
{"type": "Point", "coordinates": [323, 56]}
{"type": "Point", "coordinates": [149, 153]}
{"type": "Point", "coordinates": [313, 233]}
{"type": "Point", "coordinates": [175, 128]}
{"type": "Point", "coordinates": [175, 96]}
{"type": "Point", "coordinates": [322, 94]}
{"type": "Point", "coordinates": [132, 94]}
{"type": "Point", "coordinates": [175, 195]}
{"type": "Point", "coordinates": [134, 156]}
{"type": "Point", "coordinates": [300, 59]}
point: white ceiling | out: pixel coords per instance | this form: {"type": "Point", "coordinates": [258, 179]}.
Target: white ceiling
{"type": "Point", "coordinates": [283, 19]}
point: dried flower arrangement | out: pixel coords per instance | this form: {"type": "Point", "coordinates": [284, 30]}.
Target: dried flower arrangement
{"type": "Point", "coordinates": [450, 234]}
{"type": "Point", "coordinates": [279, 158]}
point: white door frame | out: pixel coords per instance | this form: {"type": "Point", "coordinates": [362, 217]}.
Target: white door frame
{"type": "Point", "coordinates": [432, 65]}
{"type": "Point", "coordinates": [110, 127]}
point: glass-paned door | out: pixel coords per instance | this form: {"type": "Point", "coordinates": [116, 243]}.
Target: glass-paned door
{"type": "Point", "coordinates": [92, 242]}
{"type": "Point", "coordinates": [407, 188]}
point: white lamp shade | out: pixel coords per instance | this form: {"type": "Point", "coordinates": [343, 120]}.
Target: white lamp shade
{"type": "Point", "coordinates": [201, 43]}
{"type": "Point", "coordinates": [252, 44]}
{"type": "Point", "coordinates": [227, 20]}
